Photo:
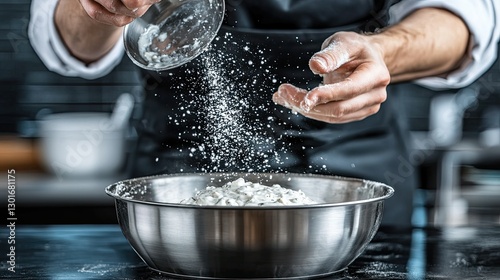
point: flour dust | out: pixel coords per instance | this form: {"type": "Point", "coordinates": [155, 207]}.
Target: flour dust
{"type": "Point", "coordinates": [238, 136]}
{"type": "Point", "coordinates": [225, 119]}
{"type": "Point", "coordinates": [232, 106]}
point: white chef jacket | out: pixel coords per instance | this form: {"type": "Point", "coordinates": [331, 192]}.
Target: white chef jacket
{"type": "Point", "coordinates": [481, 16]}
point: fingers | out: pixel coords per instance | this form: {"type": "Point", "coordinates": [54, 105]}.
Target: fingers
{"type": "Point", "coordinates": [137, 4]}
{"type": "Point", "coordinates": [289, 96]}
{"type": "Point", "coordinates": [101, 14]}
{"type": "Point", "coordinates": [116, 12]}
{"type": "Point", "coordinates": [328, 59]}
{"type": "Point", "coordinates": [365, 78]}
{"type": "Point", "coordinates": [340, 111]}
{"type": "Point", "coordinates": [348, 108]}
{"type": "Point", "coordinates": [116, 7]}
{"type": "Point", "coordinates": [333, 55]}
{"type": "Point", "coordinates": [355, 116]}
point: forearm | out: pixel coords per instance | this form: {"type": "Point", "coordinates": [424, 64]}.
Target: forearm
{"type": "Point", "coordinates": [85, 38]}
{"type": "Point", "coordinates": [429, 42]}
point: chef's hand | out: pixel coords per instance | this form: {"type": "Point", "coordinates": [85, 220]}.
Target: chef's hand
{"type": "Point", "coordinates": [116, 12]}
{"type": "Point", "coordinates": [355, 78]}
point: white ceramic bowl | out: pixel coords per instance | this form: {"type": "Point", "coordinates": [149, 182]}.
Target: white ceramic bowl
{"type": "Point", "coordinates": [81, 144]}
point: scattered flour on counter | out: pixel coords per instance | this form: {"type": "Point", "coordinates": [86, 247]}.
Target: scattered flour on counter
{"type": "Point", "coordinates": [103, 269]}
{"type": "Point", "coordinates": [243, 193]}
{"type": "Point", "coordinates": [382, 270]}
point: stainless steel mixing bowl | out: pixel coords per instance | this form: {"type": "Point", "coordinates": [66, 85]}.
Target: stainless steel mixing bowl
{"type": "Point", "coordinates": [249, 242]}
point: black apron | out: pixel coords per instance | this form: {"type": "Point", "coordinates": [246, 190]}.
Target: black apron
{"type": "Point", "coordinates": [266, 43]}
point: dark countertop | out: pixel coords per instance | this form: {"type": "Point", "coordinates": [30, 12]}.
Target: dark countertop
{"type": "Point", "coordinates": [102, 252]}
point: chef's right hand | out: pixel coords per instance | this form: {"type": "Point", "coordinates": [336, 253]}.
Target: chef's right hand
{"type": "Point", "coordinates": [116, 12]}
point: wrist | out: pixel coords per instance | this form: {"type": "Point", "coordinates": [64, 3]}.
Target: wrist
{"type": "Point", "coordinates": [428, 42]}
{"type": "Point", "coordinates": [85, 38]}
{"type": "Point", "coordinates": [392, 45]}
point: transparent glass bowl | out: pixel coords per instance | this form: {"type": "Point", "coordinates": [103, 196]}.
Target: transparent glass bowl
{"type": "Point", "coordinates": [173, 32]}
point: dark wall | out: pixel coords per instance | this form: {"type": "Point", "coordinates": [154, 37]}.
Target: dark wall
{"type": "Point", "coordinates": [476, 118]}
{"type": "Point", "coordinates": [28, 89]}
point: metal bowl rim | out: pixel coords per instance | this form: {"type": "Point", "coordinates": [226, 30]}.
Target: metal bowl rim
{"type": "Point", "coordinates": [390, 192]}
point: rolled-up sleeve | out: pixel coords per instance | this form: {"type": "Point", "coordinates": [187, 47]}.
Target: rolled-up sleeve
{"type": "Point", "coordinates": [482, 18]}
{"type": "Point", "coordinates": [48, 45]}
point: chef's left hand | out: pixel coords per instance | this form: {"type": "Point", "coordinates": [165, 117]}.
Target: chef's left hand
{"type": "Point", "coordinates": [355, 78]}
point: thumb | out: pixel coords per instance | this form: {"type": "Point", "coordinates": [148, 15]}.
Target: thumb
{"type": "Point", "coordinates": [331, 57]}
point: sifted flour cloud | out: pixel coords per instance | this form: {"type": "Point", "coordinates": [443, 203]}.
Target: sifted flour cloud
{"type": "Point", "coordinates": [236, 132]}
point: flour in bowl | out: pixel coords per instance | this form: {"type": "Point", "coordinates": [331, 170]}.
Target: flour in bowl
{"type": "Point", "coordinates": [243, 193]}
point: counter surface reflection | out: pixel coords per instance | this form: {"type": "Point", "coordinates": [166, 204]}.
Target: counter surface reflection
{"type": "Point", "coordinates": [102, 252]}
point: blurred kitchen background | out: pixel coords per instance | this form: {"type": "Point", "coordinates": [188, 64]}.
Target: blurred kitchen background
{"type": "Point", "coordinates": [456, 139]}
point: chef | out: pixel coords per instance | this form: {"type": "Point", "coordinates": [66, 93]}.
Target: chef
{"type": "Point", "coordinates": [321, 79]}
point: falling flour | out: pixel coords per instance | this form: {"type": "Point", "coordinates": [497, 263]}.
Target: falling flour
{"type": "Point", "coordinates": [221, 94]}
{"type": "Point", "coordinates": [233, 131]}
